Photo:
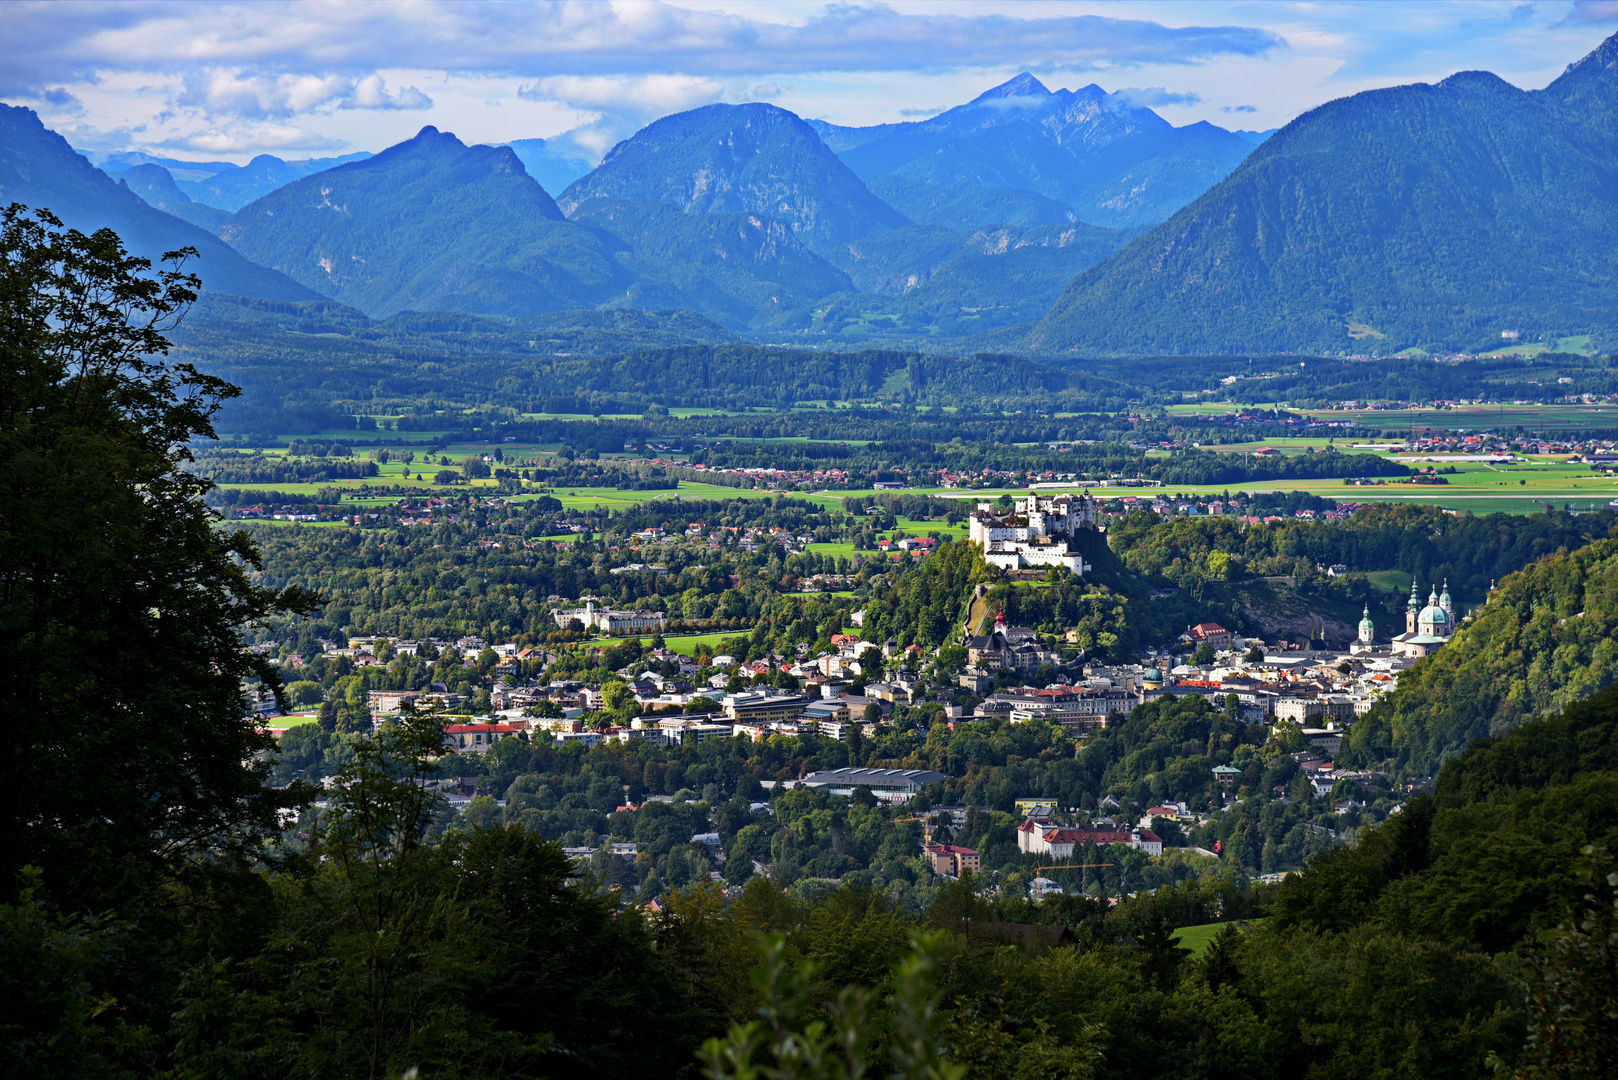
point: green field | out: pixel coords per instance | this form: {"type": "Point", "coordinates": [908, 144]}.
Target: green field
{"type": "Point", "coordinates": [1531, 417]}
{"type": "Point", "coordinates": [1199, 938]}
{"type": "Point", "coordinates": [1394, 581]}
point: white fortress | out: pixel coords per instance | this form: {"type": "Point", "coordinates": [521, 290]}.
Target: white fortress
{"type": "Point", "coordinates": [1034, 532]}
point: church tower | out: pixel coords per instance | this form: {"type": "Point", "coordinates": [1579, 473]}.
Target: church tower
{"type": "Point", "coordinates": [1447, 604]}
{"type": "Point", "coordinates": [1411, 609]}
{"type": "Point", "coordinates": [1367, 627]}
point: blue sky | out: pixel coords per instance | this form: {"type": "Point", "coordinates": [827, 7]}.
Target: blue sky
{"type": "Point", "coordinates": [227, 80]}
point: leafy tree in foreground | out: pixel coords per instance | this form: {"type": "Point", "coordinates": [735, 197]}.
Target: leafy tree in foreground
{"type": "Point", "coordinates": [1574, 1009]}
{"type": "Point", "coordinates": [124, 730]}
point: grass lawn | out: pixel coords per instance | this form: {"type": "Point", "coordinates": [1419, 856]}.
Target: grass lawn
{"type": "Point", "coordinates": [279, 724]}
{"type": "Point", "coordinates": [1394, 581]}
{"type": "Point", "coordinates": [834, 551]}
{"type": "Point", "coordinates": [1199, 938]}
{"type": "Point", "coordinates": [685, 644]}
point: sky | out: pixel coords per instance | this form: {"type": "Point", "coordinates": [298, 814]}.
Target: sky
{"type": "Point", "coordinates": [226, 81]}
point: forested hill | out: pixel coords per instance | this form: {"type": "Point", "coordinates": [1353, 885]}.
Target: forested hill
{"type": "Point", "coordinates": [1544, 640]}
{"type": "Point", "coordinates": [430, 224]}
{"type": "Point", "coordinates": [1434, 216]}
{"type": "Point", "coordinates": [752, 159]}
{"type": "Point", "coordinates": [324, 359]}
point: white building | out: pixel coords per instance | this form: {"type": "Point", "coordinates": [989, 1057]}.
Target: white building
{"type": "Point", "coordinates": [611, 622]}
{"type": "Point", "coordinates": [1035, 532]}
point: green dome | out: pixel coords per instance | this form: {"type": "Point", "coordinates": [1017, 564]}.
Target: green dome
{"type": "Point", "coordinates": [1152, 674]}
{"type": "Point", "coordinates": [1433, 614]}
{"type": "Point", "coordinates": [1366, 623]}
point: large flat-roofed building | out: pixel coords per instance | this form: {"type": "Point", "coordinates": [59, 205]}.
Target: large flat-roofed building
{"type": "Point", "coordinates": [611, 622]}
{"type": "Point", "coordinates": [885, 783]}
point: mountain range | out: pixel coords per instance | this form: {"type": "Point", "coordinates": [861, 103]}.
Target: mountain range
{"type": "Point", "coordinates": [430, 224]}
{"type": "Point", "coordinates": [221, 184]}
{"type": "Point", "coordinates": [752, 159]}
{"type": "Point", "coordinates": [1423, 217]}
{"type": "Point", "coordinates": [40, 170]}
{"type": "Point", "coordinates": [1110, 161]}
{"type": "Point", "coordinates": [1438, 217]}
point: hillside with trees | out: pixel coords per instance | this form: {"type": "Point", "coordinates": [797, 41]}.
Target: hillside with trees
{"type": "Point", "coordinates": [1415, 216]}
{"type": "Point", "coordinates": [1544, 639]}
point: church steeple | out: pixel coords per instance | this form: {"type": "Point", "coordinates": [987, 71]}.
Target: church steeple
{"type": "Point", "coordinates": [1446, 603]}
{"type": "Point", "coordinates": [1367, 627]}
{"type": "Point", "coordinates": [1412, 608]}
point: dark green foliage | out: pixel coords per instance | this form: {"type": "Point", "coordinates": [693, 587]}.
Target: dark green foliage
{"type": "Point", "coordinates": [121, 599]}
{"type": "Point", "coordinates": [1574, 986]}
{"type": "Point", "coordinates": [1412, 216]}
{"type": "Point", "coordinates": [39, 168]}
{"type": "Point", "coordinates": [429, 224]}
{"type": "Point", "coordinates": [1543, 641]}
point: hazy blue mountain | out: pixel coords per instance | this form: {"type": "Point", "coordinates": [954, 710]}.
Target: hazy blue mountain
{"type": "Point", "coordinates": [39, 169]}
{"type": "Point", "coordinates": [754, 159]}
{"type": "Point", "coordinates": [731, 267]}
{"type": "Point", "coordinates": [181, 170]}
{"type": "Point", "coordinates": [968, 206]}
{"type": "Point", "coordinates": [156, 186]}
{"type": "Point", "coordinates": [430, 224]}
{"type": "Point", "coordinates": [1435, 216]}
{"type": "Point", "coordinates": [554, 165]}
{"type": "Point", "coordinates": [926, 281]}
{"type": "Point", "coordinates": [1112, 162]}
{"type": "Point", "coordinates": [231, 189]}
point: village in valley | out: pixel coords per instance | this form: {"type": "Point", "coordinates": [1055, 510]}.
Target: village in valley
{"type": "Point", "coordinates": [826, 710]}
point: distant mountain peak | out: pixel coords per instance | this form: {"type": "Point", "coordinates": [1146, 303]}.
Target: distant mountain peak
{"type": "Point", "coordinates": [1603, 56]}
{"type": "Point", "coordinates": [1019, 86]}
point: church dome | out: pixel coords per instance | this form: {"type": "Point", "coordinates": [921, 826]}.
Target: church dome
{"type": "Point", "coordinates": [1152, 674]}
{"type": "Point", "coordinates": [1366, 623]}
{"type": "Point", "coordinates": [1433, 614]}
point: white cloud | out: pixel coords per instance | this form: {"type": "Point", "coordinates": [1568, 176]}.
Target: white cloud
{"type": "Point", "coordinates": [647, 95]}
{"type": "Point", "coordinates": [1153, 97]}
{"type": "Point", "coordinates": [1595, 11]}
{"type": "Point", "coordinates": [250, 138]}
{"type": "Point", "coordinates": [371, 92]}
{"type": "Point", "coordinates": [222, 92]}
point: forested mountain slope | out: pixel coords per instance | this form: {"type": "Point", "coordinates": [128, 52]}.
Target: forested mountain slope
{"type": "Point", "coordinates": [1544, 640]}
{"type": "Point", "coordinates": [755, 159]}
{"type": "Point", "coordinates": [1435, 216]}
{"type": "Point", "coordinates": [430, 224]}
{"type": "Point", "coordinates": [39, 169]}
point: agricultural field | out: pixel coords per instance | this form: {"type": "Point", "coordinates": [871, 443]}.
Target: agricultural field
{"type": "Point", "coordinates": [1531, 417]}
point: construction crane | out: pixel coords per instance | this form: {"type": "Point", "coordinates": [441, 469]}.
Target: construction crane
{"type": "Point", "coordinates": [1039, 871]}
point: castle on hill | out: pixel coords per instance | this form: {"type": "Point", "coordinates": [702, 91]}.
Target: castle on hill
{"type": "Point", "coordinates": [1035, 532]}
